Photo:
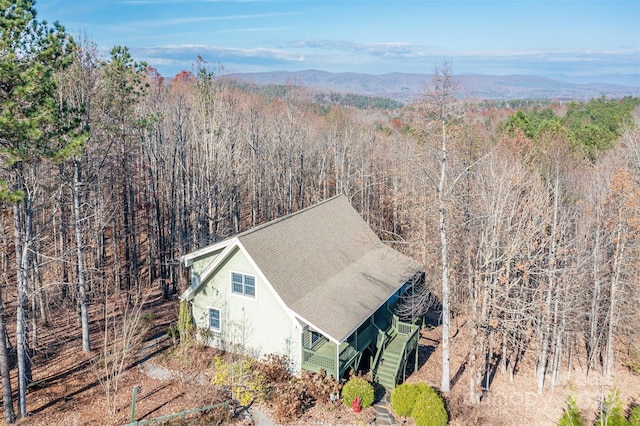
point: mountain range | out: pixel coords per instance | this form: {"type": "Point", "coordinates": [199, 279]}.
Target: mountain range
{"type": "Point", "coordinates": [406, 87]}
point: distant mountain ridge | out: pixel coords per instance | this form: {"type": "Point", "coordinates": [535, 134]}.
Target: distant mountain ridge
{"type": "Point", "coordinates": [407, 87]}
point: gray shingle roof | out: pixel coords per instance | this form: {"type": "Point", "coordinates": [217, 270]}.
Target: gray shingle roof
{"type": "Point", "coordinates": [327, 265]}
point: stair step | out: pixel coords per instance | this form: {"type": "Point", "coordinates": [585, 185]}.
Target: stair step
{"type": "Point", "coordinates": [388, 385]}
{"type": "Point", "coordinates": [390, 361]}
{"type": "Point", "coordinates": [386, 371]}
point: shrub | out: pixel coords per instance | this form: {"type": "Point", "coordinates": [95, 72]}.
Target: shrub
{"type": "Point", "coordinates": [288, 403]}
{"type": "Point", "coordinates": [291, 399]}
{"type": "Point", "coordinates": [241, 377]}
{"type": "Point", "coordinates": [184, 325]}
{"type": "Point", "coordinates": [633, 361]}
{"type": "Point", "coordinates": [571, 415]}
{"type": "Point", "coordinates": [634, 416]}
{"type": "Point", "coordinates": [403, 398]}
{"type": "Point", "coordinates": [319, 386]}
{"type": "Point", "coordinates": [429, 409]}
{"type": "Point", "coordinates": [274, 369]}
{"type": "Point", "coordinates": [612, 413]}
{"type": "Point", "coordinates": [360, 387]}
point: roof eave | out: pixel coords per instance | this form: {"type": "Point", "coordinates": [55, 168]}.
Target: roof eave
{"type": "Point", "coordinates": [189, 258]}
{"type": "Point", "coordinates": [189, 293]}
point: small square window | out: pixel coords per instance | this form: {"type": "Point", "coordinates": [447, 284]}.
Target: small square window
{"type": "Point", "coordinates": [214, 319]}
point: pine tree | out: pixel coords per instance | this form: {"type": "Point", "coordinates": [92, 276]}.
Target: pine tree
{"type": "Point", "coordinates": [35, 126]}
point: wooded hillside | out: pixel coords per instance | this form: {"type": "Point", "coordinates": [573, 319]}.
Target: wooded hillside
{"type": "Point", "coordinates": [108, 174]}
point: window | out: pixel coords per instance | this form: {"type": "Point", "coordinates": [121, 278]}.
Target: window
{"type": "Point", "coordinates": [214, 319]}
{"type": "Point", "coordinates": [315, 338]}
{"type": "Point", "coordinates": [243, 284]}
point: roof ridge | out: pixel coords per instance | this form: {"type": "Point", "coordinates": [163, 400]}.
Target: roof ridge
{"type": "Point", "coordinates": [281, 218]}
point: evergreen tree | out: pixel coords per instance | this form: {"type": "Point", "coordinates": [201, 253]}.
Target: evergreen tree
{"type": "Point", "coordinates": [35, 126]}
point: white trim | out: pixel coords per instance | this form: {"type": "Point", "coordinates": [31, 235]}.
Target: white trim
{"type": "Point", "coordinates": [187, 259]}
{"type": "Point", "coordinates": [231, 245]}
{"type": "Point", "coordinates": [195, 284]}
{"type": "Point", "coordinates": [243, 294]}
{"type": "Point", "coordinates": [292, 315]}
{"type": "Point", "coordinates": [219, 329]}
{"type": "Point", "coordinates": [325, 334]}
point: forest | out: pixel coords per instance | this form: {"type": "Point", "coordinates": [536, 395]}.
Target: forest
{"type": "Point", "coordinates": [526, 218]}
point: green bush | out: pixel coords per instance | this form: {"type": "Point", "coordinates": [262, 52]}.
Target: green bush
{"type": "Point", "coordinates": [429, 409]}
{"type": "Point", "coordinates": [358, 386]}
{"type": "Point", "coordinates": [571, 415]}
{"type": "Point", "coordinates": [634, 416]}
{"type": "Point", "coordinates": [403, 397]}
{"type": "Point", "coordinates": [612, 413]}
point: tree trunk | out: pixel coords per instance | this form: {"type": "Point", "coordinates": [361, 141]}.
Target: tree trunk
{"type": "Point", "coordinates": [80, 269]}
{"type": "Point", "coordinates": [546, 316]}
{"type": "Point", "coordinates": [617, 270]}
{"type": "Point", "coordinates": [7, 395]}
{"type": "Point", "coordinates": [22, 223]}
{"type": "Point", "coordinates": [444, 252]}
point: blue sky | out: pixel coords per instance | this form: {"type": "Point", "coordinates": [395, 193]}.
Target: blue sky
{"type": "Point", "coordinates": [587, 40]}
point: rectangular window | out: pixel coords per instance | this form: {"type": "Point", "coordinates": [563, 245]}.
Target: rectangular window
{"type": "Point", "coordinates": [243, 284]}
{"type": "Point", "coordinates": [214, 319]}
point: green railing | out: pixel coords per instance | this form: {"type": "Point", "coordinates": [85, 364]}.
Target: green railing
{"type": "Point", "coordinates": [412, 331]}
{"type": "Point", "coordinates": [315, 361]}
{"type": "Point", "coordinates": [403, 327]}
{"type": "Point", "coordinates": [409, 345]}
{"type": "Point", "coordinates": [383, 337]}
{"type": "Point", "coordinates": [347, 356]}
{"type": "Point", "coordinates": [322, 354]}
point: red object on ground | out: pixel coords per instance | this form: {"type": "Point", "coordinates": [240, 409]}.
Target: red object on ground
{"type": "Point", "coordinates": [355, 404]}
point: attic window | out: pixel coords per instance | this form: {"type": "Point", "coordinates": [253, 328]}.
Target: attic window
{"type": "Point", "coordinates": [243, 284]}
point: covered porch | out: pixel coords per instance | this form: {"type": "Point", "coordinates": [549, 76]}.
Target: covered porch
{"type": "Point", "coordinates": [319, 353]}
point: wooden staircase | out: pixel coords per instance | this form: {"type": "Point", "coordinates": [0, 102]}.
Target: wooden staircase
{"type": "Point", "coordinates": [394, 347]}
{"type": "Point", "coordinates": [390, 362]}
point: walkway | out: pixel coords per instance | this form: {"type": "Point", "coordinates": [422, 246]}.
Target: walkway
{"type": "Point", "coordinates": [383, 411]}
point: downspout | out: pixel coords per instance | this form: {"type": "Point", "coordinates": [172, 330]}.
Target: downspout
{"type": "Point", "coordinates": [338, 375]}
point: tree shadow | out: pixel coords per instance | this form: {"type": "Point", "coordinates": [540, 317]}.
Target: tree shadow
{"type": "Point", "coordinates": [65, 398]}
{"type": "Point", "coordinates": [456, 377]}
{"type": "Point", "coordinates": [424, 353]}
{"type": "Point", "coordinates": [491, 367]}
{"type": "Point", "coordinates": [159, 406]}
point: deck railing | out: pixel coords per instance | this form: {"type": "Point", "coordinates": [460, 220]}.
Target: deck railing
{"type": "Point", "coordinates": [315, 361]}
{"type": "Point", "coordinates": [323, 353]}
{"type": "Point", "coordinates": [403, 327]}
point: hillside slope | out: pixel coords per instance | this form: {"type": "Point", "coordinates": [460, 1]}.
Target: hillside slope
{"type": "Point", "coordinates": [406, 87]}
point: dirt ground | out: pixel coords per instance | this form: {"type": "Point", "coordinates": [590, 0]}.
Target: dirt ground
{"type": "Point", "coordinates": [68, 392]}
{"type": "Point", "coordinates": [508, 403]}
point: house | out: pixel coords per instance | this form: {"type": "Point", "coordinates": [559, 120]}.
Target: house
{"type": "Point", "coordinates": [317, 286]}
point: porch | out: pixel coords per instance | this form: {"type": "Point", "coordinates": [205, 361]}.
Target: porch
{"type": "Point", "coordinates": [389, 346]}
{"type": "Point", "coordinates": [318, 352]}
